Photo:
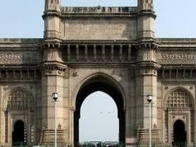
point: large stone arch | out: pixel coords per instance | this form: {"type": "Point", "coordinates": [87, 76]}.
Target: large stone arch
{"type": "Point", "coordinates": [101, 82]}
{"type": "Point", "coordinates": [178, 105]}
{"type": "Point", "coordinates": [89, 78]}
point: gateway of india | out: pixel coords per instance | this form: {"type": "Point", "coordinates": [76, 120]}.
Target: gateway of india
{"type": "Point", "coordinates": [89, 49]}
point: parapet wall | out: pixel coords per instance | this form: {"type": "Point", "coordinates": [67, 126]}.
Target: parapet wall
{"type": "Point", "coordinates": [16, 51]}
{"type": "Point", "coordinates": [99, 9]}
{"type": "Point", "coordinates": [99, 23]}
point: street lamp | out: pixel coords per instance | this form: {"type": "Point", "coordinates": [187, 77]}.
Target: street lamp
{"type": "Point", "coordinates": [149, 99]}
{"type": "Point", "coordinates": [55, 97]}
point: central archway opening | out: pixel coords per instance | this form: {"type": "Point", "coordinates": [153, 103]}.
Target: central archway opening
{"type": "Point", "coordinates": [100, 83]}
{"type": "Point", "coordinates": [179, 133]}
{"type": "Point", "coordinates": [99, 120]}
{"type": "Point", "coordinates": [18, 133]}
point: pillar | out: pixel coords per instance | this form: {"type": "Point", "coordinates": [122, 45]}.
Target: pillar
{"type": "Point", "coordinates": [146, 73]}
{"type": "Point", "coordinates": [54, 75]}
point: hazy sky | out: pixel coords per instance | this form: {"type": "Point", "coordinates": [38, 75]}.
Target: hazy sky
{"type": "Point", "coordinates": [22, 18]}
{"type": "Point", "coordinates": [98, 121]}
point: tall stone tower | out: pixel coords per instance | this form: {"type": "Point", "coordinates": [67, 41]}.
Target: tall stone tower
{"type": "Point", "coordinates": [53, 74]}
{"type": "Point", "coordinates": [146, 71]}
{"type": "Point", "coordinates": [52, 19]}
{"type": "Point", "coordinates": [146, 19]}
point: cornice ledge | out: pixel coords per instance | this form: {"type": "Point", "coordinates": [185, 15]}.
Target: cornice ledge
{"type": "Point", "coordinates": [147, 64]}
{"type": "Point", "coordinates": [148, 44]}
{"type": "Point", "coordinates": [51, 13]}
{"type": "Point", "coordinates": [99, 42]}
{"type": "Point", "coordinates": [147, 12]}
{"type": "Point", "coordinates": [56, 43]}
{"type": "Point", "coordinates": [52, 66]}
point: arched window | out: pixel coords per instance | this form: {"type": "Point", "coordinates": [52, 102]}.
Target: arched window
{"type": "Point", "coordinates": [178, 99]}
{"type": "Point", "coordinates": [178, 104]}
{"type": "Point", "coordinates": [20, 99]}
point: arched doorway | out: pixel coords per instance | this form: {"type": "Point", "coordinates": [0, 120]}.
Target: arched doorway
{"type": "Point", "coordinates": [100, 83]}
{"type": "Point", "coordinates": [18, 135]}
{"type": "Point", "coordinates": [179, 133]}
{"type": "Point", "coordinates": [179, 120]}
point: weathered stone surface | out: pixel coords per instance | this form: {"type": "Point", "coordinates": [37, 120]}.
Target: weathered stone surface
{"type": "Point", "coordinates": [99, 29]}
{"type": "Point", "coordinates": [88, 49]}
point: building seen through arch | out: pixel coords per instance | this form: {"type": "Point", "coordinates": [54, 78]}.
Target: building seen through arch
{"type": "Point", "coordinates": [89, 49]}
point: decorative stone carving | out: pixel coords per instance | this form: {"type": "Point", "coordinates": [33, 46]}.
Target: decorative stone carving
{"type": "Point", "coordinates": [98, 9]}
{"type": "Point", "coordinates": [53, 66]}
{"type": "Point", "coordinates": [49, 45]}
{"type": "Point", "coordinates": [54, 69]}
{"type": "Point", "coordinates": [146, 68]}
{"type": "Point", "coordinates": [19, 58]}
{"type": "Point", "coordinates": [74, 73]}
{"type": "Point", "coordinates": [178, 106]}
{"type": "Point", "coordinates": [147, 45]}
{"type": "Point", "coordinates": [176, 57]}
{"type": "Point", "coordinates": [53, 4]}
{"type": "Point", "coordinates": [178, 99]}
{"type": "Point", "coordinates": [20, 99]}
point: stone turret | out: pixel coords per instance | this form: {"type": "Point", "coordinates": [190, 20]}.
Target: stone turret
{"type": "Point", "coordinates": [145, 5]}
{"type": "Point", "coordinates": [52, 5]}
{"type": "Point", "coordinates": [146, 19]}
{"type": "Point", "coordinates": [52, 19]}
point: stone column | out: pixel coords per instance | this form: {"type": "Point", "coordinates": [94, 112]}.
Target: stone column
{"type": "Point", "coordinates": [54, 73]}
{"type": "Point", "coordinates": [71, 127]}
{"type": "Point", "coordinates": [194, 140]}
{"type": "Point", "coordinates": [146, 84]}
{"type": "Point", "coordinates": [146, 72]}
{"type": "Point", "coordinates": [131, 137]}
{"type": "Point", "coordinates": [2, 117]}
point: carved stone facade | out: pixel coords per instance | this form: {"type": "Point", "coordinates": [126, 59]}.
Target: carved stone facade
{"type": "Point", "coordinates": [88, 49]}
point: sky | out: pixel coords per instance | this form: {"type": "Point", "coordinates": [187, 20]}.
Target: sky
{"type": "Point", "coordinates": [98, 122]}
{"type": "Point", "coordinates": [22, 19]}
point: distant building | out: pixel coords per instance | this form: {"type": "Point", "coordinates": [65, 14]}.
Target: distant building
{"type": "Point", "coordinates": [85, 49]}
